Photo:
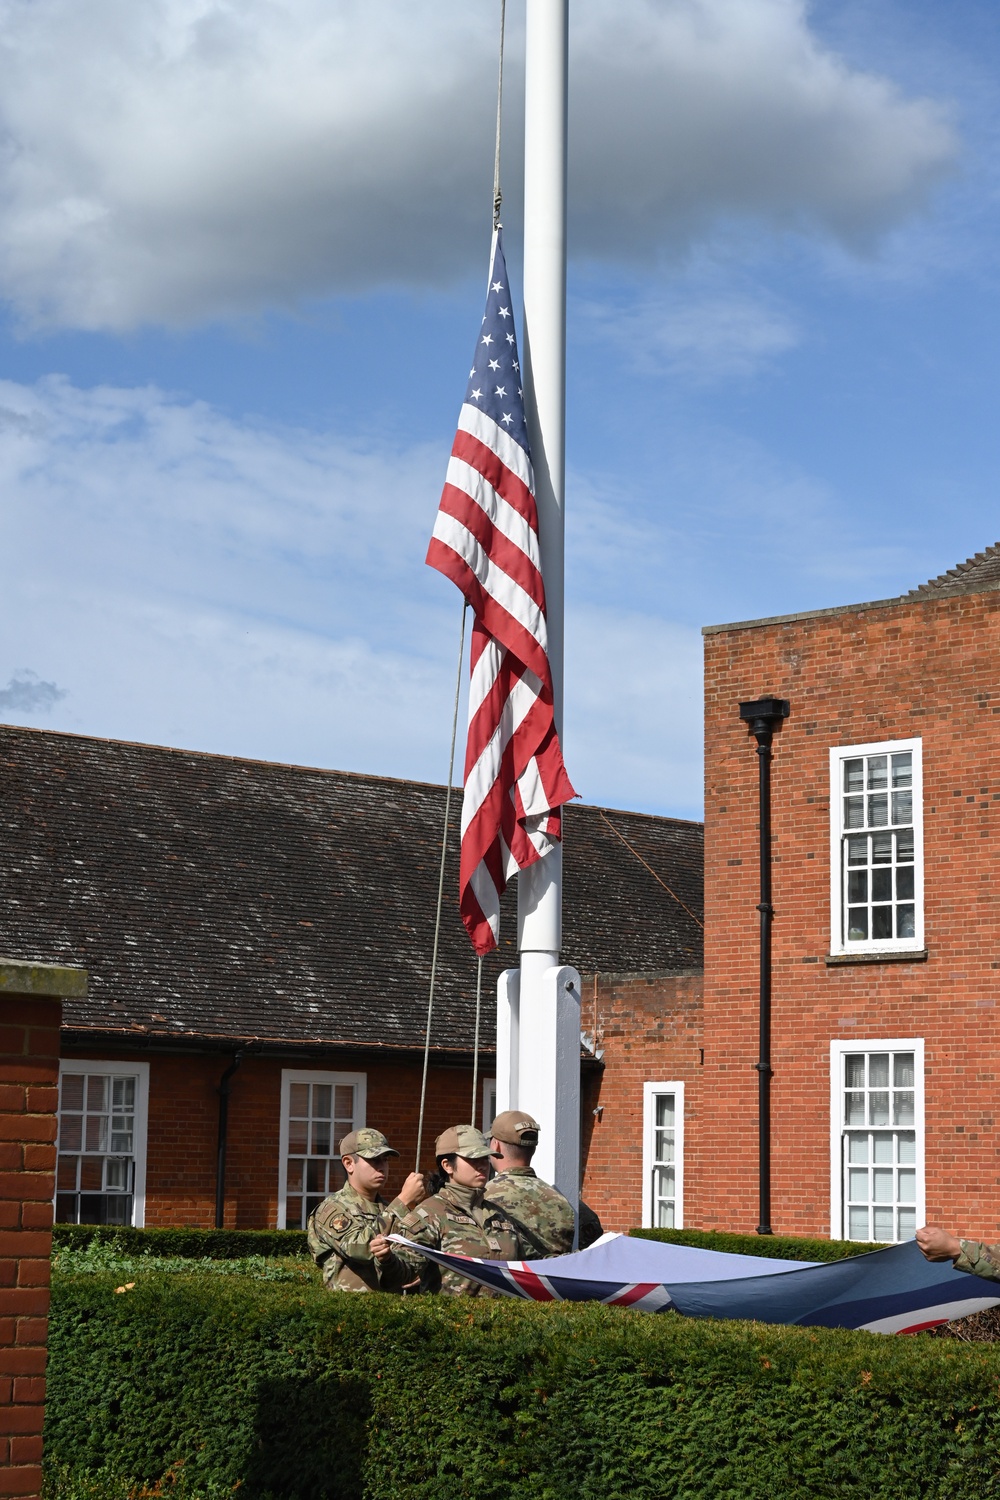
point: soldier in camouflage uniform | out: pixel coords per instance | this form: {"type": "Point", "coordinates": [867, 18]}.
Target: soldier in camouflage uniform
{"type": "Point", "coordinates": [347, 1226]}
{"type": "Point", "coordinates": [966, 1255]}
{"type": "Point", "coordinates": [543, 1218]}
{"type": "Point", "coordinates": [456, 1220]}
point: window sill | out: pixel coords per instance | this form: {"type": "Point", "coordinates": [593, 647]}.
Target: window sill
{"type": "Point", "coordinates": [895, 956]}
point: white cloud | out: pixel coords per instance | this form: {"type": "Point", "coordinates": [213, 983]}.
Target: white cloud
{"type": "Point", "coordinates": [26, 693]}
{"type": "Point", "coordinates": [179, 160]}
{"type": "Point", "coordinates": [705, 339]}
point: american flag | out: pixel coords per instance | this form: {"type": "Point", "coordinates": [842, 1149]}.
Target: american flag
{"type": "Point", "coordinates": [486, 541]}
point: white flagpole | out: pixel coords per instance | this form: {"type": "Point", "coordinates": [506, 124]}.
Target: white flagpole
{"type": "Point", "coordinates": [540, 1007]}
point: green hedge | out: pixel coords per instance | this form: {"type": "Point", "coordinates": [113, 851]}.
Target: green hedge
{"type": "Point", "coordinates": [192, 1244]}
{"type": "Point", "coordinates": [770, 1246]}
{"type": "Point", "coordinates": [220, 1385]}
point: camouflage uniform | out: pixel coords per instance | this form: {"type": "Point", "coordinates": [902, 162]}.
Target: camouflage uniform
{"type": "Point", "coordinates": [340, 1234]}
{"type": "Point", "coordinates": [541, 1215]}
{"type": "Point", "coordinates": [457, 1221]}
{"type": "Point", "coordinates": [979, 1259]}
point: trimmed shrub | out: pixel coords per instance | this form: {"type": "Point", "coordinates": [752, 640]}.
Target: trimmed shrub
{"type": "Point", "coordinates": [191, 1244]}
{"type": "Point", "coordinates": [769, 1246]}
{"type": "Point", "coordinates": [221, 1385]}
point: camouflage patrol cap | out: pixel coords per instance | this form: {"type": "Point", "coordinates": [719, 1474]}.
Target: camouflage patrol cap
{"type": "Point", "coordinates": [367, 1143]}
{"type": "Point", "coordinates": [462, 1140]}
{"type": "Point", "coordinates": [515, 1128]}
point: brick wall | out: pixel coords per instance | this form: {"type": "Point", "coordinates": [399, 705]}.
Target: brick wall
{"type": "Point", "coordinates": [649, 1027]}
{"type": "Point", "coordinates": [29, 1071]}
{"type": "Point", "coordinates": [184, 1119]}
{"type": "Point", "coordinates": [923, 668]}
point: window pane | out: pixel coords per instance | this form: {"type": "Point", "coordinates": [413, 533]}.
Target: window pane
{"type": "Point", "coordinates": [857, 850]}
{"type": "Point", "coordinates": [66, 1175]}
{"type": "Point", "coordinates": [882, 1185]}
{"type": "Point", "coordinates": [71, 1091]}
{"type": "Point", "coordinates": [854, 775]}
{"type": "Point", "coordinates": [882, 885]}
{"type": "Point", "coordinates": [902, 768]}
{"type": "Point", "coordinates": [298, 1100]}
{"type": "Point", "coordinates": [858, 1224]}
{"type": "Point", "coordinates": [854, 1111]}
{"type": "Point", "coordinates": [878, 1109]}
{"type": "Point", "coordinates": [97, 1092]}
{"type": "Point", "coordinates": [857, 1184]}
{"type": "Point", "coordinates": [904, 846]}
{"type": "Point", "coordinates": [907, 1146]}
{"type": "Point", "coordinates": [854, 1070]}
{"type": "Point", "coordinates": [878, 772]}
{"type": "Point", "coordinates": [67, 1209]}
{"type": "Point", "coordinates": [902, 1070]}
{"type": "Point", "coordinates": [316, 1176]}
{"type": "Point", "coordinates": [907, 1185]}
{"type": "Point", "coordinates": [664, 1145]}
{"type": "Point", "coordinates": [321, 1138]}
{"type": "Point", "coordinates": [854, 812]}
{"type": "Point", "coordinates": [322, 1100]}
{"type": "Point", "coordinates": [857, 924]}
{"type": "Point", "coordinates": [906, 924]}
{"type": "Point", "coordinates": [903, 1109]}
{"type": "Point", "coordinates": [881, 921]}
{"type": "Point", "coordinates": [345, 1102]}
{"type": "Point", "coordinates": [298, 1136]}
{"type": "Point", "coordinates": [884, 1226]}
{"type": "Point", "coordinates": [882, 1147]}
{"type": "Point", "coordinates": [904, 884]}
{"type": "Point", "coordinates": [118, 1175]}
{"type": "Point", "coordinates": [878, 1070]}
{"type": "Point", "coordinates": [857, 1148]}
{"type": "Point", "coordinates": [121, 1140]}
{"type": "Point", "coordinates": [123, 1094]}
{"type": "Point", "coordinates": [97, 1132]}
{"type": "Point", "coordinates": [71, 1133]}
{"type": "Point", "coordinates": [902, 807]}
{"type": "Point", "coordinates": [665, 1215]}
{"type": "Point", "coordinates": [857, 884]}
{"type": "Point", "coordinates": [664, 1182]}
{"type": "Point", "coordinates": [907, 1223]}
{"type": "Point", "coordinates": [92, 1174]}
{"type": "Point", "coordinates": [878, 810]}
{"type": "Point", "coordinates": [882, 849]}
{"type": "Point", "coordinates": [665, 1109]}
{"type": "Point", "coordinates": [295, 1175]}
{"type": "Point", "coordinates": [293, 1213]}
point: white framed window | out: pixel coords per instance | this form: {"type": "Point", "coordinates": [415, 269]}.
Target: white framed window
{"type": "Point", "coordinates": [876, 1139]}
{"type": "Point", "coordinates": [876, 848]}
{"type": "Point", "coordinates": [101, 1162]}
{"type": "Point", "coordinates": [663, 1155]}
{"type": "Point", "coordinates": [317, 1111]}
{"type": "Point", "coordinates": [489, 1104]}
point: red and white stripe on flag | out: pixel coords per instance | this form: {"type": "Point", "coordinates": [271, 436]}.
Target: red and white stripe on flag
{"type": "Point", "coordinates": [486, 541]}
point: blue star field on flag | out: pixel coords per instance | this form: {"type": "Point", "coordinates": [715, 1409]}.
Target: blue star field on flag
{"type": "Point", "coordinates": [495, 378]}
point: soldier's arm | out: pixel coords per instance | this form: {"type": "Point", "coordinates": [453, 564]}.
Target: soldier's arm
{"type": "Point", "coordinates": [979, 1259]}
{"type": "Point", "coordinates": [425, 1229]}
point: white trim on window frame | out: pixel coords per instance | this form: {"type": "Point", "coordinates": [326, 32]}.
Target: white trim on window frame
{"type": "Point", "coordinates": [314, 1075]}
{"type": "Point", "coordinates": [838, 941]}
{"type": "Point", "coordinates": [139, 1070]}
{"type": "Point", "coordinates": [838, 1050]}
{"type": "Point", "coordinates": [488, 1103]}
{"type": "Point", "coordinates": [649, 1094]}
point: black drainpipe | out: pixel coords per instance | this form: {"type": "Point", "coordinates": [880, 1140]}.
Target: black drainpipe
{"type": "Point", "coordinates": [763, 716]}
{"type": "Point", "coordinates": [225, 1083]}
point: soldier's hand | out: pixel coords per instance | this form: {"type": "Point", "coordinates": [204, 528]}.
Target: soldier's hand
{"type": "Point", "coordinates": [414, 1190]}
{"type": "Point", "coordinates": [380, 1247]}
{"type": "Point", "coordinates": [938, 1244]}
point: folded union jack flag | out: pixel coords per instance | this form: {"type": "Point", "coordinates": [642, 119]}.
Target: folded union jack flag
{"type": "Point", "coordinates": [887, 1291]}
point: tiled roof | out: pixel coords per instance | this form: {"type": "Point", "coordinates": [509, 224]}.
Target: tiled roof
{"type": "Point", "coordinates": [215, 897]}
{"type": "Point", "coordinates": [971, 577]}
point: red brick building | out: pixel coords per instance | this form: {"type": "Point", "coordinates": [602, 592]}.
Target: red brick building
{"type": "Point", "coordinates": [886, 939]}
{"type": "Point", "coordinates": [258, 939]}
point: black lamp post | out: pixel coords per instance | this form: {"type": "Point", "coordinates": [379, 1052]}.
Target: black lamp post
{"type": "Point", "coordinates": [763, 715]}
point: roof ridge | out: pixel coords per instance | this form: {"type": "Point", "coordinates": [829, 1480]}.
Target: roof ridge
{"type": "Point", "coordinates": [981, 570]}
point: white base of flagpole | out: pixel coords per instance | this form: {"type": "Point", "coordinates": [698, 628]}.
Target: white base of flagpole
{"type": "Point", "coordinates": [538, 1061]}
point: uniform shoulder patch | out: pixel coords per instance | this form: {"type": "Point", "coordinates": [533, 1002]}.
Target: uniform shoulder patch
{"type": "Point", "coordinates": [340, 1222]}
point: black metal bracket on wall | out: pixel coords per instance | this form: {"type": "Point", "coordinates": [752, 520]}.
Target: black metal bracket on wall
{"type": "Point", "coordinates": [763, 715]}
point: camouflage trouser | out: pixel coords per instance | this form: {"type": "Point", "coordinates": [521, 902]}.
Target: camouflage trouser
{"type": "Point", "coordinates": [979, 1259]}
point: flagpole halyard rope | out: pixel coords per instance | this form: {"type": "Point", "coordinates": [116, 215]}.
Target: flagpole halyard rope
{"type": "Point", "coordinates": [440, 895]}
{"type": "Point", "coordinates": [497, 195]}
{"type": "Point", "coordinates": [652, 872]}
{"type": "Point", "coordinates": [475, 1047]}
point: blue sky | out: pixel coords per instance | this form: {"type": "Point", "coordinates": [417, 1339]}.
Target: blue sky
{"type": "Point", "coordinates": [242, 257]}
